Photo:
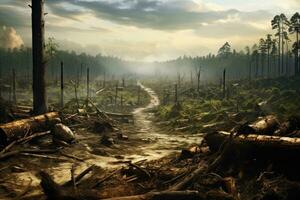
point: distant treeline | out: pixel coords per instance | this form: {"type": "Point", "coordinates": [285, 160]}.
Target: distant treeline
{"type": "Point", "coordinates": [273, 56]}
{"type": "Point", "coordinates": [74, 64]}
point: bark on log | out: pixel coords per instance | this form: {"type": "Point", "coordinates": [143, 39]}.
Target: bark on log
{"type": "Point", "coordinates": [280, 150]}
{"type": "Point", "coordinates": [17, 129]}
{"type": "Point", "coordinates": [264, 126]}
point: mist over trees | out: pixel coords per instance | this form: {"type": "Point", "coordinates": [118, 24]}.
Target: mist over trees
{"type": "Point", "coordinates": [274, 55]}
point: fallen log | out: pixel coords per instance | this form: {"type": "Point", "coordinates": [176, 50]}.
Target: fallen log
{"type": "Point", "coordinates": [17, 129]}
{"type": "Point", "coordinates": [282, 151]}
{"type": "Point", "coordinates": [216, 139]}
{"type": "Point", "coordinates": [264, 126]}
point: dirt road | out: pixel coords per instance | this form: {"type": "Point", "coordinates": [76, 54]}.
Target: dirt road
{"type": "Point", "coordinates": [146, 141]}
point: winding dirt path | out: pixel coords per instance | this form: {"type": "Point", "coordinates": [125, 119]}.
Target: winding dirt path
{"type": "Point", "coordinates": [146, 141]}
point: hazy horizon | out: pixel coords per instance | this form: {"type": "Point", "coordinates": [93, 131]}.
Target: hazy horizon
{"type": "Point", "coordinates": [145, 30]}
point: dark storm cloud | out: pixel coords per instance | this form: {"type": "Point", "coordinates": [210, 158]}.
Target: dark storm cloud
{"type": "Point", "coordinates": [10, 17]}
{"type": "Point", "coordinates": [155, 14]}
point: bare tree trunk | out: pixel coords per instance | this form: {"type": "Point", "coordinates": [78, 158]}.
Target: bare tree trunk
{"type": "Point", "coordinates": [88, 83]}
{"type": "Point", "coordinates": [282, 54]}
{"type": "Point", "coordinates": [224, 83]}
{"type": "Point", "coordinates": [104, 79]}
{"type": "Point", "coordinates": [297, 55]}
{"type": "Point", "coordinates": [139, 94]}
{"type": "Point", "coordinates": [38, 58]}
{"type": "Point", "coordinates": [1, 82]}
{"type": "Point", "coordinates": [250, 70]}
{"type": "Point", "coordinates": [62, 84]}
{"type": "Point", "coordinates": [176, 94]}
{"type": "Point", "coordinates": [198, 79]}
{"type": "Point", "coordinates": [116, 95]}
{"type": "Point", "coordinates": [14, 86]}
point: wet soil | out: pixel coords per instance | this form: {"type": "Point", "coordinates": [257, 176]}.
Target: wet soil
{"type": "Point", "coordinates": [146, 142]}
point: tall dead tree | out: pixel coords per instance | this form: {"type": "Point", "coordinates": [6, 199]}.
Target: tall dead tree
{"type": "Point", "coordinates": [38, 57]}
{"type": "Point", "coordinates": [176, 94]}
{"type": "Point", "coordinates": [61, 84]}
{"type": "Point", "coordinates": [139, 95]}
{"type": "Point", "coordinates": [104, 78]}
{"type": "Point", "coordinates": [1, 82]}
{"type": "Point", "coordinates": [224, 83]}
{"type": "Point", "coordinates": [14, 86]}
{"type": "Point", "coordinates": [198, 78]}
{"type": "Point", "coordinates": [88, 83]}
{"type": "Point", "coordinates": [116, 94]}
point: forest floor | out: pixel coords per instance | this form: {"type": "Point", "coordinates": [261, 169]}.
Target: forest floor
{"type": "Point", "coordinates": [146, 142]}
{"type": "Point", "coordinates": [163, 146]}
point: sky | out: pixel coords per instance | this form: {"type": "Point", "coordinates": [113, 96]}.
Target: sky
{"type": "Point", "coordinates": [145, 30]}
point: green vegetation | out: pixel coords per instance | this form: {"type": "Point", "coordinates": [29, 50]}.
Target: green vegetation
{"type": "Point", "coordinates": [206, 110]}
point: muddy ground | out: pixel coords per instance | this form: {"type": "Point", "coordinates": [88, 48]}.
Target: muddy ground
{"type": "Point", "coordinates": [146, 142]}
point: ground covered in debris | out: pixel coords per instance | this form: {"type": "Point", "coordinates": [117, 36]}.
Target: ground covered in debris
{"type": "Point", "coordinates": [198, 147]}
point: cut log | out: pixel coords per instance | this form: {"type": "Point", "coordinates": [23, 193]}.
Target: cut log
{"type": "Point", "coordinates": [63, 133]}
{"type": "Point", "coordinates": [264, 126]}
{"type": "Point", "coordinates": [279, 150]}
{"type": "Point", "coordinates": [216, 139]}
{"type": "Point", "coordinates": [17, 129]}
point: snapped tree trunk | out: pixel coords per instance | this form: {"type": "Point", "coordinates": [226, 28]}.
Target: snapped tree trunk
{"type": "Point", "coordinates": [17, 129]}
{"type": "Point", "coordinates": [38, 57]}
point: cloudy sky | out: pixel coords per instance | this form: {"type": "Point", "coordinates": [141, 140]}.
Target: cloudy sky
{"type": "Point", "coordinates": [145, 29]}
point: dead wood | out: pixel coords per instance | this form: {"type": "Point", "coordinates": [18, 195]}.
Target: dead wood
{"type": "Point", "coordinates": [34, 153]}
{"type": "Point", "coordinates": [189, 178]}
{"type": "Point", "coordinates": [230, 186]}
{"type": "Point", "coordinates": [43, 156]}
{"type": "Point", "coordinates": [264, 126]}
{"type": "Point", "coordinates": [216, 139]}
{"type": "Point", "coordinates": [100, 112]}
{"type": "Point", "coordinates": [143, 171]}
{"type": "Point", "coordinates": [18, 129]}
{"type": "Point", "coordinates": [64, 133]}
{"type": "Point", "coordinates": [165, 195]}
{"type": "Point", "coordinates": [72, 156]}
{"type": "Point", "coordinates": [80, 176]}
{"type": "Point", "coordinates": [99, 182]}
{"type": "Point", "coordinates": [25, 139]}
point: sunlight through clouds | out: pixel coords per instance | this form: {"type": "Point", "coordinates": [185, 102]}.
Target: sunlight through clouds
{"type": "Point", "coordinates": [164, 28]}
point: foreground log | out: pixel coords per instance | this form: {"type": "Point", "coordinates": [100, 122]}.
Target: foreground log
{"type": "Point", "coordinates": [282, 152]}
{"type": "Point", "coordinates": [20, 128]}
